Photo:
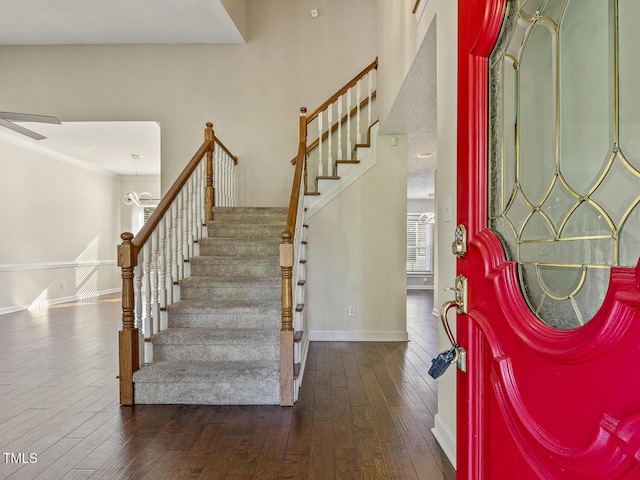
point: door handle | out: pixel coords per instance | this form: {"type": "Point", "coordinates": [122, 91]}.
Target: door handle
{"type": "Point", "coordinates": [456, 354]}
{"type": "Point", "coordinates": [444, 309]}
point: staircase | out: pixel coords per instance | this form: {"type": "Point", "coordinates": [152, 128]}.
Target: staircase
{"type": "Point", "coordinates": [222, 344]}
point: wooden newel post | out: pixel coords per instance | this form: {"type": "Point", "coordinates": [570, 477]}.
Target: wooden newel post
{"type": "Point", "coordinates": [209, 193]}
{"type": "Point", "coordinates": [286, 330]}
{"type": "Point", "coordinates": [128, 337]}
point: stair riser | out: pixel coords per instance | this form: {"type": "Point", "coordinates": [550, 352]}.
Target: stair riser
{"type": "Point", "coordinates": [239, 249]}
{"type": "Point", "coordinates": [233, 230]}
{"type": "Point", "coordinates": [250, 210]}
{"type": "Point", "coordinates": [205, 393]}
{"type": "Point", "coordinates": [250, 218]}
{"type": "Point", "coordinates": [222, 292]}
{"type": "Point", "coordinates": [207, 320]}
{"type": "Point", "coordinates": [202, 269]}
{"type": "Point", "coordinates": [250, 352]}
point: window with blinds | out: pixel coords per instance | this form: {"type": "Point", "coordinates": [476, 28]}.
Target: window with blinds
{"type": "Point", "coordinates": [420, 242]}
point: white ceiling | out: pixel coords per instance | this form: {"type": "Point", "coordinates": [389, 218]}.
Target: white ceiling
{"type": "Point", "coordinates": [106, 147]}
{"type": "Point", "coordinates": [78, 22]}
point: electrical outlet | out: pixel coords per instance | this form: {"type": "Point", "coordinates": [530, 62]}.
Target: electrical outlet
{"type": "Point", "coordinates": [352, 311]}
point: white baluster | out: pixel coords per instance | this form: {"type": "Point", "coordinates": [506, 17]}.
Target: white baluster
{"type": "Point", "coordinates": [197, 208]}
{"type": "Point", "coordinates": [192, 219]}
{"type": "Point", "coordinates": [137, 285]}
{"type": "Point", "coordinates": [147, 318]}
{"type": "Point", "coordinates": [370, 104]}
{"type": "Point", "coordinates": [349, 146]}
{"type": "Point", "coordinates": [232, 185]}
{"type": "Point", "coordinates": [340, 157]}
{"type": "Point", "coordinates": [320, 160]}
{"type": "Point", "coordinates": [162, 262]}
{"type": "Point", "coordinates": [188, 215]}
{"type": "Point", "coordinates": [229, 177]}
{"type": "Point", "coordinates": [223, 177]}
{"type": "Point", "coordinates": [175, 254]}
{"type": "Point", "coordinates": [329, 150]}
{"type": "Point", "coordinates": [168, 255]}
{"type": "Point", "coordinates": [194, 212]}
{"type": "Point", "coordinates": [137, 288]}
{"type": "Point", "coordinates": [185, 233]}
{"type": "Point", "coordinates": [358, 99]}
{"type": "Point", "coordinates": [203, 185]}
{"type": "Point", "coordinates": [155, 281]}
{"type": "Point", "coordinates": [216, 175]}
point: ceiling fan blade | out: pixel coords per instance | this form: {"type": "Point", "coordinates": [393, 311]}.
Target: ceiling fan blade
{"type": "Point", "coordinates": [27, 117]}
{"type": "Point", "coordinates": [22, 130]}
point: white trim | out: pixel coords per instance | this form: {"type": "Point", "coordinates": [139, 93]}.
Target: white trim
{"type": "Point", "coordinates": [17, 267]}
{"type": "Point", "coordinates": [357, 336]}
{"type": "Point", "coordinates": [368, 157]}
{"type": "Point", "coordinates": [56, 301]}
{"type": "Point", "coordinates": [419, 287]}
{"type": "Point", "coordinates": [445, 438]}
{"type": "Point", "coordinates": [435, 312]}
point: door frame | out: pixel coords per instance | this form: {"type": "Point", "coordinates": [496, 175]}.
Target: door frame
{"type": "Point", "coordinates": [479, 24]}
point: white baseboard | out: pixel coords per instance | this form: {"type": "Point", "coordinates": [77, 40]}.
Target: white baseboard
{"type": "Point", "coordinates": [5, 310]}
{"type": "Point", "coordinates": [445, 438]}
{"type": "Point", "coordinates": [57, 301]}
{"type": "Point", "coordinates": [357, 336]}
{"type": "Point", "coordinates": [419, 287]}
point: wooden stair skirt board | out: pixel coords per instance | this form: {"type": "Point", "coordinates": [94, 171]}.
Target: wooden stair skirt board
{"type": "Point", "coordinates": [347, 172]}
{"type": "Point", "coordinates": [222, 346]}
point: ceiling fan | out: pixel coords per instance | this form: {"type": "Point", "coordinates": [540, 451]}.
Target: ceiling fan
{"type": "Point", "coordinates": [7, 119]}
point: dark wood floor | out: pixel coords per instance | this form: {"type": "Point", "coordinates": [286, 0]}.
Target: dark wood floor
{"type": "Point", "coordinates": [365, 410]}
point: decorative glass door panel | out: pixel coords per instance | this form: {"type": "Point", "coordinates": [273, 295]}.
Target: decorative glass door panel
{"type": "Point", "coordinates": [563, 184]}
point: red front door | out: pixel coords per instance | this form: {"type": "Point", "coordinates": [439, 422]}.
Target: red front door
{"type": "Point", "coordinates": [552, 383]}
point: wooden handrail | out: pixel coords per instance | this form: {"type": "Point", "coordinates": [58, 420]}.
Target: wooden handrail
{"type": "Point", "coordinates": [221, 145]}
{"type": "Point", "coordinates": [343, 90]}
{"type": "Point", "coordinates": [163, 207]}
{"type": "Point", "coordinates": [313, 145]}
{"type": "Point", "coordinates": [415, 7]}
{"type": "Point", "coordinates": [297, 176]}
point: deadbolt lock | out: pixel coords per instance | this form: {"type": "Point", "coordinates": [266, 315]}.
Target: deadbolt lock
{"type": "Point", "coordinates": [459, 247]}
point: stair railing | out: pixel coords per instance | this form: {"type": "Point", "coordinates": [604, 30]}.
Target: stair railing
{"type": "Point", "coordinates": [347, 129]}
{"type": "Point", "coordinates": [339, 133]}
{"type": "Point", "coordinates": [157, 258]}
{"type": "Point", "coordinates": [287, 257]}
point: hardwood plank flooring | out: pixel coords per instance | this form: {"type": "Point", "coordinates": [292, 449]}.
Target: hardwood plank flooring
{"type": "Point", "coordinates": [365, 410]}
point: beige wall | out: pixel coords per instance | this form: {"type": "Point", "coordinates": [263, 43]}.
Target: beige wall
{"type": "Point", "coordinates": [357, 251]}
{"type": "Point", "coordinates": [252, 93]}
{"type": "Point", "coordinates": [54, 216]}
